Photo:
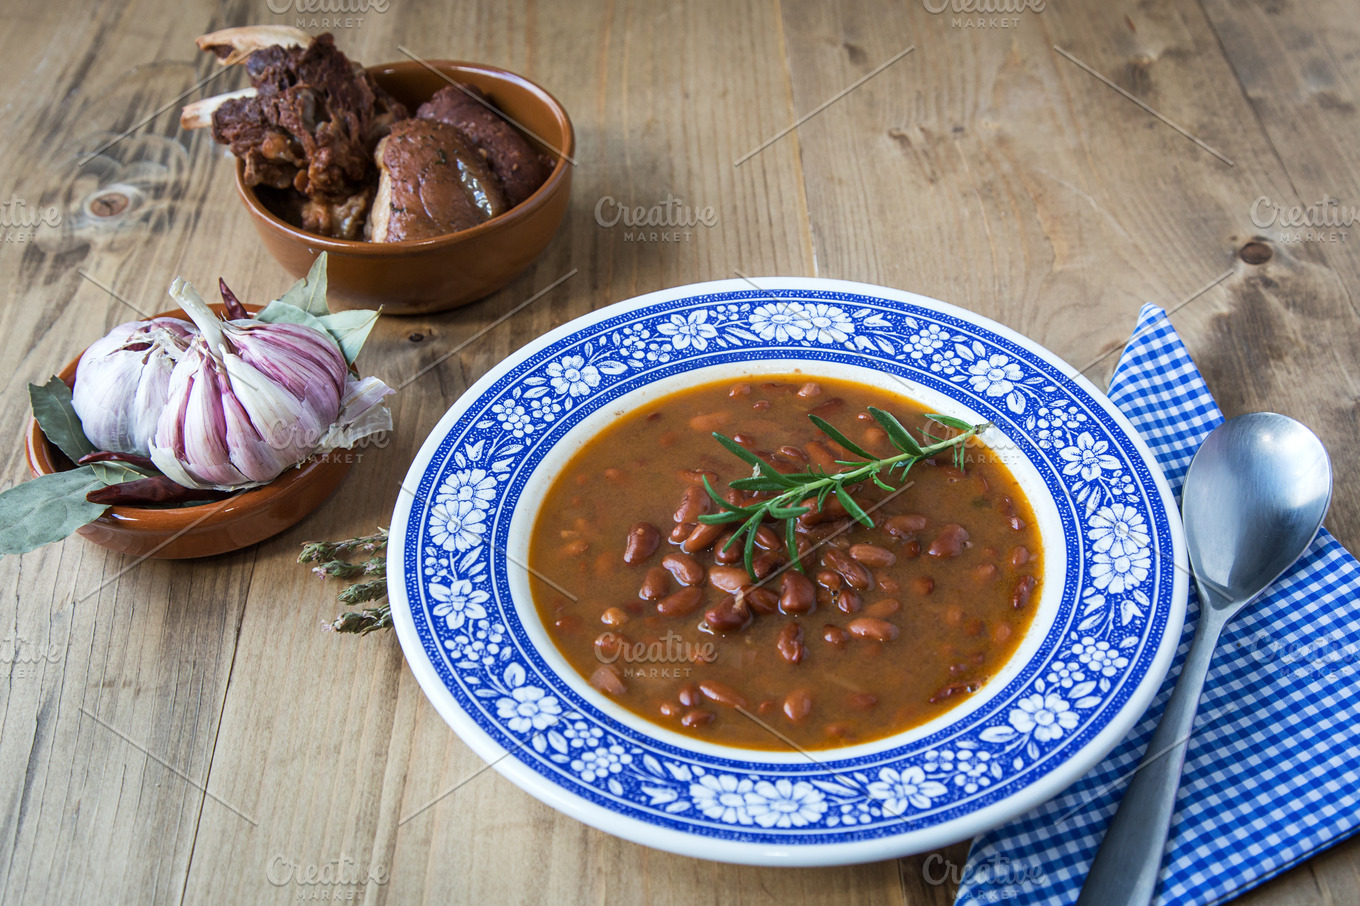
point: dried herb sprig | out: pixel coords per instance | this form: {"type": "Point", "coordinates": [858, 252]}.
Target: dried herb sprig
{"type": "Point", "coordinates": [792, 491]}
{"type": "Point", "coordinates": [331, 555]}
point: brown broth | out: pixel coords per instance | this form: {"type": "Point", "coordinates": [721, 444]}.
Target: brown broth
{"type": "Point", "coordinates": [956, 624]}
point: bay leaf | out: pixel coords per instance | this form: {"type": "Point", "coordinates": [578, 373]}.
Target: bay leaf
{"type": "Point", "coordinates": [309, 293]}
{"type": "Point", "coordinates": [350, 329]}
{"type": "Point", "coordinates": [47, 509]}
{"type": "Point", "coordinates": [281, 312]}
{"type": "Point", "coordinates": [52, 408]}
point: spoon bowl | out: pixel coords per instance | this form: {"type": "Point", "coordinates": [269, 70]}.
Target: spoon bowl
{"type": "Point", "coordinates": [1254, 499]}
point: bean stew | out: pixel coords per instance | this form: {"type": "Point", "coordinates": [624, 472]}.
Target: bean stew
{"type": "Point", "coordinates": [882, 629]}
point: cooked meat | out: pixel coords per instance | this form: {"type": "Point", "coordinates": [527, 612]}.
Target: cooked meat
{"type": "Point", "coordinates": [312, 124]}
{"type": "Point", "coordinates": [232, 45]}
{"type": "Point", "coordinates": [431, 182]}
{"type": "Point", "coordinates": [519, 168]}
{"type": "Point", "coordinates": [199, 114]}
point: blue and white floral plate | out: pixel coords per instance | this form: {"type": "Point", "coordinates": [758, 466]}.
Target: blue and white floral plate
{"type": "Point", "coordinates": [1106, 625]}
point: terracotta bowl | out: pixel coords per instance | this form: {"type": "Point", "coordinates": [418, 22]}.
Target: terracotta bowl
{"type": "Point", "coordinates": [429, 275]}
{"type": "Point", "coordinates": [207, 529]}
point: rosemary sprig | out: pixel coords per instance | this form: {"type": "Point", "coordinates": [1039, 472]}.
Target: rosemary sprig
{"type": "Point", "coordinates": [793, 490]}
{"type": "Point", "coordinates": [331, 555]}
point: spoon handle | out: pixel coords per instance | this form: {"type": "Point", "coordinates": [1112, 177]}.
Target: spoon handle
{"type": "Point", "coordinates": [1130, 858]}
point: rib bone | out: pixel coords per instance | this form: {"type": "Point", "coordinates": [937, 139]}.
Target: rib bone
{"type": "Point", "coordinates": [233, 45]}
{"type": "Point", "coordinates": [199, 114]}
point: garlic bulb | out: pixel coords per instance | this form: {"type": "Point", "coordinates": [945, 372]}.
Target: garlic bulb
{"type": "Point", "coordinates": [122, 381]}
{"type": "Point", "coordinates": [247, 399]}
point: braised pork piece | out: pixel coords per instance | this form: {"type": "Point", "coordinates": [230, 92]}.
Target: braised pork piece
{"type": "Point", "coordinates": [884, 628]}
{"type": "Point", "coordinates": [311, 130]}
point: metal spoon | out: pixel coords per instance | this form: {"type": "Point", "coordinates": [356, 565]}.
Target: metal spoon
{"type": "Point", "coordinates": [1254, 499]}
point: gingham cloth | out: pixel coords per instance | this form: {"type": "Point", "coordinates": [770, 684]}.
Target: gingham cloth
{"type": "Point", "coordinates": [1272, 774]}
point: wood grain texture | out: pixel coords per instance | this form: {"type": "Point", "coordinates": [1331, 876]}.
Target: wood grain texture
{"type": "Point", "coordinates": [983, 168]}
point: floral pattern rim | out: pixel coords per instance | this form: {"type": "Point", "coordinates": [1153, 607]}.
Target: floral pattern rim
{"type": "Point", "coordinates": [1119, 596]}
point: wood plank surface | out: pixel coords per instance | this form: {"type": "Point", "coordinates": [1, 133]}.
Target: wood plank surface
{"type": "Point", "coordinates": [184, 732]}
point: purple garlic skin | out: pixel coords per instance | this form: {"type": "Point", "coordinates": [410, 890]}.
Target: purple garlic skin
{"type": "Point", "coordinates": [123, 379]}
{"type": "Point", "coordinates": [247, 399]}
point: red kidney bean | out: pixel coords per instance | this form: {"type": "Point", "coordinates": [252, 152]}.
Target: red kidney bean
{"type": "Point", "coordinates": [727, 578]}
{"type": "Point", "coordinates": [796, 592]}
{"type": "Point", "coordinates": [576, 548]}
{"type": "Point", "coordinates": [828, 511]}
{"type": "Point", "coordinates": [701, 539]}
{"type": "Point", "coordinates": [830, 579]}
{"type": "Point", "coordinates": [760, 405]}
{"type": "Point", "coordinates": [740, 390]}
{"type": "Point", "coordinates": [911, 550]}
{"type": "Point", "coordinates": [682, 531]}
{"type": "Point", "coordinates": [669, 709]}
{"type": "Point", "coordinates": [761, 599]}
{"type": "Point", "coordinates": [904, 526]}
{"type": "Point", "coordinates": [855, 575]}
{"type": "Point", "coordinates": [1019, 556]}
{"type": "Point", "coordinates": [655, 584]}
{"type": "Point", "coordinates": [567, 623]}
{"type": "Point", "coordinates": [834, 636]}
{"type": "Point", "coordinates": [829, 408]}
{"type": "Point", "coordinates": [697, 476]}
{"type": "Point", "coordinates": [606, 678]}
{"type": "Point", "coordinates": [766, 562]}
{"type": "Point", "coordinates": [875, 436]}
{"type": "Point", "coordinates": [848, 602]}
{"type": "Point", "coordinates": [953, 615]}
{"type": "Point", "coordinates": [694, 503]}
{"type": "Point", "coordinates": [885, 583]}
{"type": "Point", "coordinates": [613, 617]}
{"type": "Point", "coordinates": [724, 554]}
{"type": "Point", "coordinates": [954, 689]}
{"type": "Point", "coordinates": [810, 390]}
{"type": "Point", "coordinates": [922, 585]}
{"type": "Point", "coordinates": [722, 693]}
{"type": "Point", "coordinates": [818, 454]}
{"type": "Point", "coordinates": [984, 573]}
{"type": "Point", "coordinates": [872, 556]}
{"type": "Point", "coordinates": [1017, 524]}
{"type": "Point", "coordinates": [872, 629]}
{"type": "Point", "coordinates": [697, 718]}
{"type": "Point", "coordinates": [949, 542]}
{"type": "Point", "coordinates": [885, 608]}
{"type": "Point", "coordinates": [607, 645]}
{"type": "Point", "coordinates": [729, 614]}
{"type": "Point", "coordinates": [767, 706]}
{"type": "Point", "coordinates": [682, 602]}
{"type": "Point", "coordinates": [861, 701]}
{"type": "Point", "coordinates": [747, 441]}
{"type": "Point", "coordinates": [791, 453]}
{"type": "Point", "coordinates": [974, 627]}
{"type": "Point", "coordinates": [708, 422]}
{"type": "Point", "coordinates": [840, 729]}
{"type": "Point", "coordinates": [798, 705]}
{"type": "Point", "coordinates": [685, 569]}
{"type": "Point", "coordinates": [1001, 632]}
{"type": "Point", "coordinates": [1023, 590]}
{"type": "Point", "coordinates": [766, 539]}
{"type": "Point", "coordinates": [689, 695]}
{"type": "Point", "coordinates": [643, 540]}
{"type": "Point", "coordinates": [790, 643]}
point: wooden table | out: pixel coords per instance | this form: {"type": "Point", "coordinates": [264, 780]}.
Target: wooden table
{"type": "Point", "coordinates": [186, 732]}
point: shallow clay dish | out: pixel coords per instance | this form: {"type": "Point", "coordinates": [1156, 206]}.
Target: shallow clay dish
{"type": "Point", "coordinates": [208, 529]}
{"type": "Point", "coordinates": [429, 275]}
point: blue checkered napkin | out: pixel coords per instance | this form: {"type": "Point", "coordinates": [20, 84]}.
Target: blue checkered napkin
{"type": "Point", "coordinates": [1272, 775]}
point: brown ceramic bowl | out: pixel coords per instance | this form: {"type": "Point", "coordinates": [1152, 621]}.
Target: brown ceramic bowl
{"type": "Point", "coordinates": [436, 274]}
{"type": "Point", "coordinates": [199, 531]}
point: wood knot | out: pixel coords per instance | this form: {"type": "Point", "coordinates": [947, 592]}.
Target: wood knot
{"type": "Point", "coordinates": [1255, 252]}
{"type": "Point", "coordinates": [108, 204]}
{"type": "Point", "coordinates": [416, 337]}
